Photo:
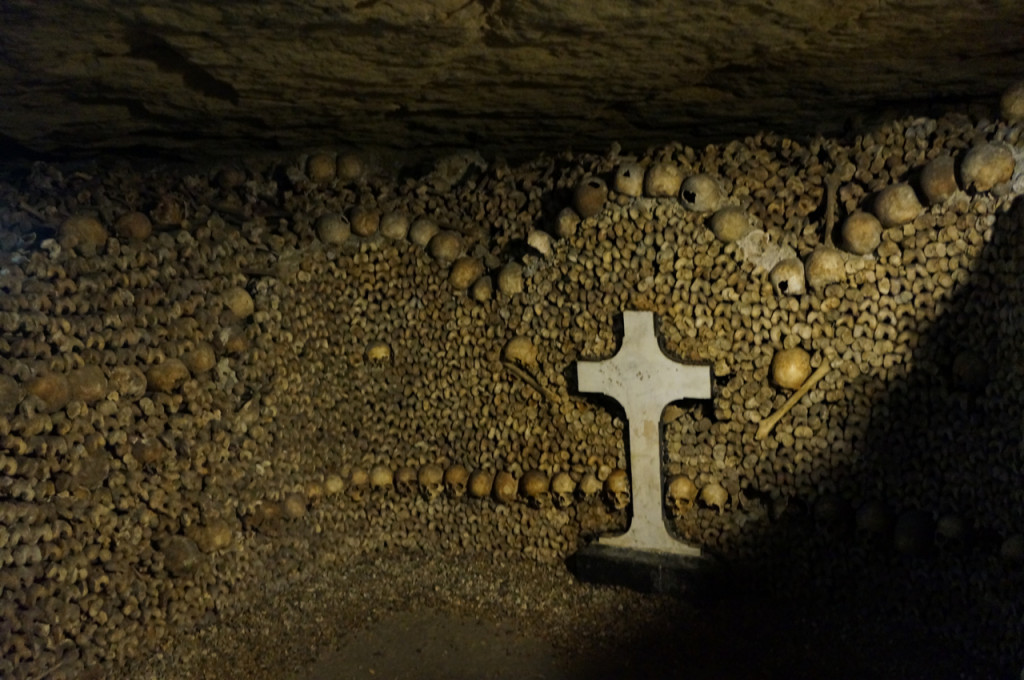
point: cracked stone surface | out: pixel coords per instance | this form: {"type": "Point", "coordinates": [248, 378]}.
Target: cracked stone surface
{"type": "Point", "coordinates": [201, 78]}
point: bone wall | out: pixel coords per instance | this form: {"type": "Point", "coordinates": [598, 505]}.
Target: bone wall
{"type": "Point", "coordinates": [212, 375]}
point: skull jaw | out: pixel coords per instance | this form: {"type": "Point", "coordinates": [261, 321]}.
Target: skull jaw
{"type": "Point", "coordinates": [429, 493]}
{"type": "Point", "coordinates": [678, 507]}
{"type": "Point", "coordinates": [454, 491]}
{"type": "Point", "coordinates": [538, 502]}
{"type": "Point", "coordinates": [561, 500]}
{"type": "Point", "coordinates": [617, 500]}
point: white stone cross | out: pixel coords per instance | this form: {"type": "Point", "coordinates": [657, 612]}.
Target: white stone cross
{"type": "Point", "coordinates": [644, 381]}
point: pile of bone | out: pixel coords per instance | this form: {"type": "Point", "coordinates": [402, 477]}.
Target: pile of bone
{"type": "Point", "coordinates": [176, 376]}
{"type": "Point", "coordinates": [456, 247]}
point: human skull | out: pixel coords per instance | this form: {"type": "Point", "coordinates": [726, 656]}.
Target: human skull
{"type": "Point", "coordinates": [730, 224]}
{"type": "Point", "coordinates": [589, 486]}
{"type": "Point", "coordinates": [431, 479]}
{"type": "Point", "coordinates": [702, 193]}
{"type": "Point", "coordinates": [520, 350]}
{"type": "Point", "coordinates": [590, 196]}
{"type": "Point", "coordinates": [825, 265]}
{"type": "Point", "coordinates": [534, 488]}
{"type": "Point", "coordinates": [314, 492]}
{"type": "Point", "coordinates": [663, 180]}
{"type": "Point", "coordinates": [381, 477]}
{"type": "Point", "coordinates": [913, 533]}
{"type": "Point", "coordinates": [986, 166]}
{"type": "Point", "coordinates": [1011, 108]}
{"type": "Point", "coordinates": [333, 228]}
{"type": "Point", "coordinates": [540, 241]}
{"type": "Point", "coordinates": [505, 487]}
{"type": "Point", "coordinates": [616, 489]}
{"type": "Point", "coordinates": [787, 277]}
{"type": "Point", "coordinates": [896, 205]}
{"type": "Point", "coordinates": [950, 532]}
{"type": "Point", "coordinates": [873, 518]}
{"type": "Point", "coordinates": [1011, 550]}
{"type": "Point", "coordinates": [681, 494]}
{"type": "Point", "coordinates": [831, 509]}
{"type": "Point", "coordinates": [378, 352]}
{"type": "Point", "coordinates": [265, 515]}
{"type": "Point", "coordinates": [422, 230]}
{"type": "Point", "coordinates": [790, 368]}
{"type": "Point", "coordinates": [862, 232]}
{"type": "Point", "coordinates": [333, 485]}
{"type": "Point", "coordinates": [358, 482]}
{"type": "Point", "coordinates": [629, 179]}
{"type": "Point", "coordinates": [970, 372]}
{"type": "Point", "coordinates": [405, 481]}
{"type": "Point", "coordinates": [715, 496]}
{"type": "Point", "coordinates": [293, 506]}
{"type": "Point", "coordinates": [562, 488]}
{"type": "Point", "coordinates": [480, 483]}
{"type": "Point", "coordinates": [455, 479]}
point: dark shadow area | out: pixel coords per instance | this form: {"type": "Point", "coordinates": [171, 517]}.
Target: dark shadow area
{"type": "Point", "coordinates": [891, 567]}
{"type": "Point", "coordinates": [152, 48]}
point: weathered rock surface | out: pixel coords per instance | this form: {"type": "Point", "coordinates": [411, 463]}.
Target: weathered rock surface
{"type": "Point", "coordinates": [204, 77]}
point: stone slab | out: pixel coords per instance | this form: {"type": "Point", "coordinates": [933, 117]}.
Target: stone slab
{"type": "Point", "coordinates": [644, 571]}
{"type": "Point", "coordinates": [643, 380]}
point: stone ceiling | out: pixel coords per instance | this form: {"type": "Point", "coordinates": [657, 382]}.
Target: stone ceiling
{"type": "Point", "coordinates": [211, 78]}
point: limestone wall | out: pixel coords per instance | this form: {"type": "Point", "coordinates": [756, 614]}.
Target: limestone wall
{"type": "Point", "coordinates": [200, 78]}
{"type": "Point", "coordinates": [205, 370]}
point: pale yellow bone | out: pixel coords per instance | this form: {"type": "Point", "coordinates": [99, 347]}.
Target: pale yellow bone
{"type": "Point", "coordinates": [771, 421]}
{"type": "Point", "coordinates": [530, 380]}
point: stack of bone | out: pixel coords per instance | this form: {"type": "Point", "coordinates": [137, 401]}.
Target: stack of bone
{"type": "Point", "coordinates": [206, 374]}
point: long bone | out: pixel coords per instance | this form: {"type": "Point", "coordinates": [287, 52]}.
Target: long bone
{"type": "Point", "coordinates": [771, 421]}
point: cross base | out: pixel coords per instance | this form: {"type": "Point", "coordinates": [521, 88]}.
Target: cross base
{"type": "Point", "coordinates": [644, 571]}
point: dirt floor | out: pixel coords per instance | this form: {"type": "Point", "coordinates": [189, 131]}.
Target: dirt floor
{"type": "Point", "coordinates": [399, 615]}
{"type": "Point", "coordinates": [426, 644]}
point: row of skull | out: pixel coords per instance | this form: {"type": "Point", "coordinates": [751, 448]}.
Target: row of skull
{"type": "Point", "coordinates": [535, 488]}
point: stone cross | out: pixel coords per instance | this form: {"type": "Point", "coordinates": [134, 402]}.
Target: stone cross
{"type": "Point", "coordinates": [644, 381]}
